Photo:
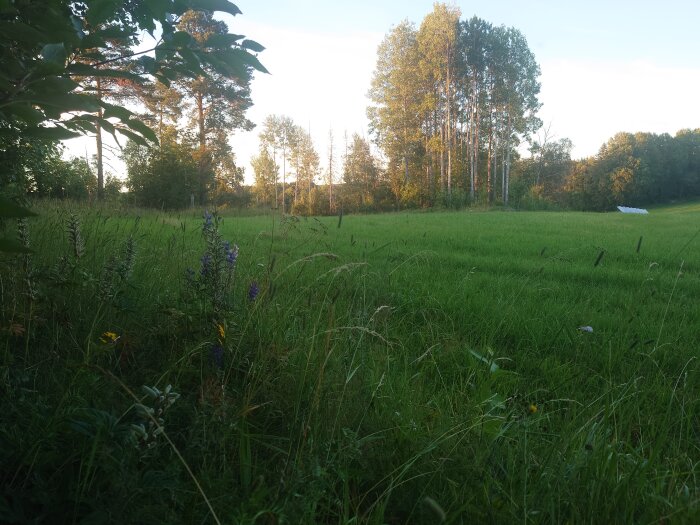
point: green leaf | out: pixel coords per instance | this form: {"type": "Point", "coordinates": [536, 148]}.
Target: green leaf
{"type": "Point", "coordinates": [86, 70]}
{"type": "Point", "coordinates": [180, 39]}
{"type": "Point", "coordinates": [141, 128]}
{"type": "Point", "coordinates": [12, 246]}
{"type": "Point", "coordinates": [65, 102]}
{"type": "Point", "coordinates": [148, 64]}
{"type": "Point", "coordinates": [114, 32]}
{"type": "Point", "coordinates": [253, 46]}
{"type": "Point", "coordinates": [77, 24]}
{"type": "Point", "coordinates": [100, 11]}
{"type": "Point", "coordinates": [215, 5]}
{"type": "Point", "coordinates": [191, 60]}
{"type": "Point", "coordinates": [111, 110]}
{"type": "Point", "coordinates": [493, 367]}
{"type": "Point", "coordinates": [55, 53]}
{"type": "Point", "coordinates": [55, 84]}
{"type": "Point", "coordinates": [138, 139]}
{"type": "Point", "coordinates": [10, 210]}
{"type": "Point", "coordinates": [217, 40]}
{"type": "Point", "coordinates": [21, 32]}
{"type": "Point", "coordinates": [250, 60]}
{"type": "Point", "coordinates": [54, 134]}
{"type": "Point", "coordinates": [26, 113]}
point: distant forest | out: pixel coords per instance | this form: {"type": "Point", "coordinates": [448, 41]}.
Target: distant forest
{"type": "Point", "coordinates": [452, 123]}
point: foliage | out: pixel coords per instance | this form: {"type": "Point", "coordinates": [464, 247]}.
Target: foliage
{"type": "Point", "coordinates": [361, 176]}
{"type": "Point", "coordinates": [266, 178]}
{"type": "Point", "coordinates": [630, 169]}
{"type": "Point", "coordinates": [403, 368]}
{"type": "Point", "coordinates": [217, 100]}
{"type": "Point", "coordinates": [164, 177]}
{"type": "Point", "coordinates": [47, 44]}
{"type": "Point", "coordinates": [450, 103]}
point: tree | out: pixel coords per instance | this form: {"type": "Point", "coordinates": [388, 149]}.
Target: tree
{"type": "Point", "coordinates": [266, 177]}
{"type": "Point", "coordinates": [163, 104]}
{"type": "Point", "coordinates": [474, 34]}
{"type": "Point", "coordinates": [306, 160]}
{"type": "Point", "coordinates": [396, 94]}
{"type": "Point", "coordinates": [47, 44]}
{"type": "Point", "coordinates": [360, 172]}
{"type": "Point", "coordinates": [454, 96]}
{"type": "Point", "coordinates": [330, 172]}
{"type": "Point", "coordinates": [437, 41]}
{"type": "Point", "coordinates": [218, 100]}
{"type": "Point", "coordinates": [279, 133]}
{"type": "Point", "coordinates": [162, 177]}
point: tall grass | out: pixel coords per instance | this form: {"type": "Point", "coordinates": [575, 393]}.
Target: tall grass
{"type": "Point", "coordinates": [405, 368]}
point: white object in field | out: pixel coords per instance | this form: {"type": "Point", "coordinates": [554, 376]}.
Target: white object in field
{"type": "Point", "coordinates": [588, 329]}
{"type": "Point", "coordinates": [625, 209]}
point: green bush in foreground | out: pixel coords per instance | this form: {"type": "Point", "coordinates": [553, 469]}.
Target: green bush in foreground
{"type": "Point", "coordinates": [407, 368]}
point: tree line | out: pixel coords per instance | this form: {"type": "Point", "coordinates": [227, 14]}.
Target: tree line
{"type": "Point", "coordinates": [633, 169]}
{"type": "Point", "coordinates": [453, 106]}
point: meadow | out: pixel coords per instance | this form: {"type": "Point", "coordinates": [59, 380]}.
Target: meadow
{"type": "Point", "coordinates": [454, 367]}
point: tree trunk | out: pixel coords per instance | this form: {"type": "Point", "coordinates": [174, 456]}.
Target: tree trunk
{"type": "Point", "coordinates": [296, 182]}
{"type": "Point", "coordinates": [98, 144]}
{"type": "Point", "coordinates": [507, 165]}
{"type": "Point", "coordinates": [202, 149]}
{"type": "Point", "coordinates": [477, 126]}
{"type": "Point", "coordinates": [449, 124]}
{"type": "Point", "coordinates": [489, 182]}
{"type": "Point", "coordinates": [405, 168]}
{"type": "Point", "coordinates": [284, 172]}
{"type": "Point", "coordinates": [442, 159]}
{"type": "Point", "coordinates": [330, 175]}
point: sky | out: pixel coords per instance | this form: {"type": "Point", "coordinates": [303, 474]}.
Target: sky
{"type": "Point", "coordinates": [607, 66]}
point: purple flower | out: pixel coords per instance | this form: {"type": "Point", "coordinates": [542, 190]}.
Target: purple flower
{"type": "Point", "coordinates": [217, 356]}
{"type": "Point", "coordinates": [206, 264]}
{"type": "Point", "coordinates": [208, 221]}
{"type": "Point", "coordinates": [189, 275]}
{"type": "Point", "coordinates": [253, 291]}
{"type": "Point", "coordinates": [231, 254]}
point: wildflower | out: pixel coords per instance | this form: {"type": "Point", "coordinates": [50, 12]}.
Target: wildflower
{"type": "Point", "coordinates": [588, 329]}
{"type": "Point", "coordinates": [231, 254]}
{"type": "Point", "coordinates": [208, 221]}
{"type": "Point", "coordinates": [189, 275]}
{"type": "Point", "coordinates": [222, 331]}
{"type": "Point", "coordinates": [532, 408]}
{"type": "Point", "coordinates": [109, 338]}
{"type": "Point", "coordinates": [253, 291]}
{"type": "Point", "coordinates": [206, 264]}
{"type": "Point", "coordinates": [217, 356]}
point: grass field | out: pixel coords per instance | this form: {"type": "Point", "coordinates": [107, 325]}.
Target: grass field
{"type": "Point", "coordinates": [399, 368]}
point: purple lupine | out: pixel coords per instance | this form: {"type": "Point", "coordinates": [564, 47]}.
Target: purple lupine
{"type": "Point", "coordinates": [231, 254]}
{"type": "Point", "coordinates": [208, 221]}
{"type": "Point", "coordinates": [189, 275]}
{"type": "Point", "coordinates": [253, 291]}
{"type": "Point", "coordinates": [206, 264]}
{"type": "Point", "coordinates": [217, 356]}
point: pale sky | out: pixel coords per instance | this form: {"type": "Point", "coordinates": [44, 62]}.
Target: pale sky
{"type": "Point", "coordinates": [607, 65]}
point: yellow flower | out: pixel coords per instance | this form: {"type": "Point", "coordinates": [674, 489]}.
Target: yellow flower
{"type": "Point", "coordinates": [222, 332]}
{"type": "Point", "coordinates": [532, 408]}
{"type": "Point", "coordinates": [109, 337]}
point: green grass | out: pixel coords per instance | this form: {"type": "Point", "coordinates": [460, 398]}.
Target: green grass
{"type": "Point", "coordinates": [400, 368]}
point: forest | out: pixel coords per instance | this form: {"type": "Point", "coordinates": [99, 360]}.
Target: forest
{"type": "Point", "coordinates": [452, 123]}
